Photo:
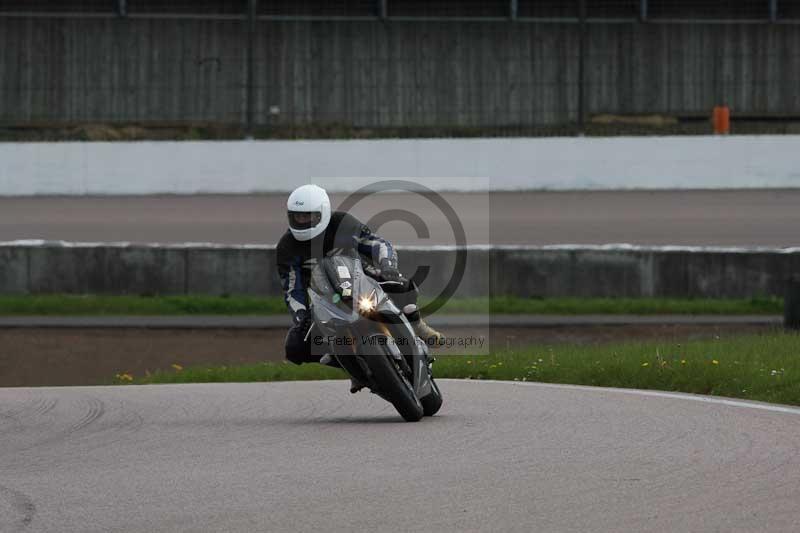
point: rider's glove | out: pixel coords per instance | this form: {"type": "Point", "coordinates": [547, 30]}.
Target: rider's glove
{"type": "Point", "coordinates": [301, 318]}
{"type": "Point", "coordinates": [389, 271]}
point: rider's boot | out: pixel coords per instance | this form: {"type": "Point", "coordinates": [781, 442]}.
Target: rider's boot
{"type": "Point", "coordinates": [430, 336]}
{"type": "Point", "coordinates": [328, 360]}
{"type": "Point", "coordinates": [355, 385]}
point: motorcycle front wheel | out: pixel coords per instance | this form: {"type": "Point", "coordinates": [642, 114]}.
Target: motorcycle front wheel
{"type": "Point", "coordinates": [433, 401]}
{"type": "Point", "coordinates": [394, 386]}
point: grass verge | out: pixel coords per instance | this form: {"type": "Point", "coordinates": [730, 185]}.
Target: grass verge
{"type": "Point", "coordinates": [77, 305]}
{"type": "Point", "coordinates": [759, 367]}
{"type": "Point", "coordinates": [99, 305]}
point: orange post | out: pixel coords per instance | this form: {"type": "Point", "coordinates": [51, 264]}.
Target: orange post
{"type": "Point", "coordinates": [722, 120]}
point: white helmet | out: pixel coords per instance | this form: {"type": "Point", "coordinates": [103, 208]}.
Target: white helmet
{"type": "Point", "coordinates": [309, 212]}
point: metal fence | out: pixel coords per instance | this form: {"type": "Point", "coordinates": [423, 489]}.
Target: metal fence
{"type": "Point", "coordinates": [398, 67]}
{"type": "Point", "coordinates": [688, 11]}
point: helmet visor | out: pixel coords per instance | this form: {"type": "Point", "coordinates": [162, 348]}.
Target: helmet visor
{"type": "Point", "coordinates": [304, 219]}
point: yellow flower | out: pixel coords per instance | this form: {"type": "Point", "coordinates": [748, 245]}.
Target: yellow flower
{"type": "Point", "coordinates": [124, 377]}
{"type": "Point", "coordinates": [469, 362]}
{"type": "Point", "coordinates": [714, 361]}
{"type": "Point", "coordinates": [177, 367]}
{"type": "Point", "coordinates": [683, 361]}
{"type": "Point", "coordinates": [645, 364]}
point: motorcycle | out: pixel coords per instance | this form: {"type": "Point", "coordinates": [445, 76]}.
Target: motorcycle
{"type": "Point", "coordinates": [356, 322]}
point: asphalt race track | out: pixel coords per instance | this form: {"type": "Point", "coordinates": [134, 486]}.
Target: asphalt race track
{"type": "Point", "coordinates": [725, 218]}
{"type": "Point", "coordinates": [308, 456]}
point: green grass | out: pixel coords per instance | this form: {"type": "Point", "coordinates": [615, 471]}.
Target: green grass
{"type": "Point", "coordinates": [759, 367]}
{"type": "Point", "coordinates": [94, 305]}
{"type": "Point", "coordinates": [615, 306]}
{"type": "Point", "coordinates": [72, 305]}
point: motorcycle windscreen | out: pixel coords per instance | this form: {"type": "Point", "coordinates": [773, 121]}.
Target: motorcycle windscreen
{"type": "Point", "coordinates": [344, 274]}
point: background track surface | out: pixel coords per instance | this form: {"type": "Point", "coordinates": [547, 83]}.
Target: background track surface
{"type": "Point", "coordinates": [725, 218]}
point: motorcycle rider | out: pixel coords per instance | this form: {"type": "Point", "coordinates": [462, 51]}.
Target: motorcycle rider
{"type": "Point", "coordinates": [315, 232]}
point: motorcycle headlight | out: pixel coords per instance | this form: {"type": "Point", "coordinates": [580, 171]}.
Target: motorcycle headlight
{"type": "Point", "coordinates": [368, 304]}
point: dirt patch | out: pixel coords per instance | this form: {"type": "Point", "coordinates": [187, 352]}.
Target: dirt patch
{"type": "Point", "coordinates": [32, 357]}
{"type": "Point", "coordinates": [38, 357]}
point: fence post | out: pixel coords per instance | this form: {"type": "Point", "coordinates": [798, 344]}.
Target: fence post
{"type": "Point", "coordinates": [791, 304]}
{"type": "Point", "coordinates": [252, 9]}
{"type": "Point", "coordinates": [581, 65]}
{"type": "Point", "coordinates": [773, 10]}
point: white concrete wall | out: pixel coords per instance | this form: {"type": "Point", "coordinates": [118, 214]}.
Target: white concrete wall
{"type": "Point", "coordinates": [443, 164]}
{"type": "Point", "coordinates": [529, 271]}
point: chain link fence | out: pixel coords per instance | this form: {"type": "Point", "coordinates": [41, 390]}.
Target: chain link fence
{"type": "Point", "coordinates": [130, 69]}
